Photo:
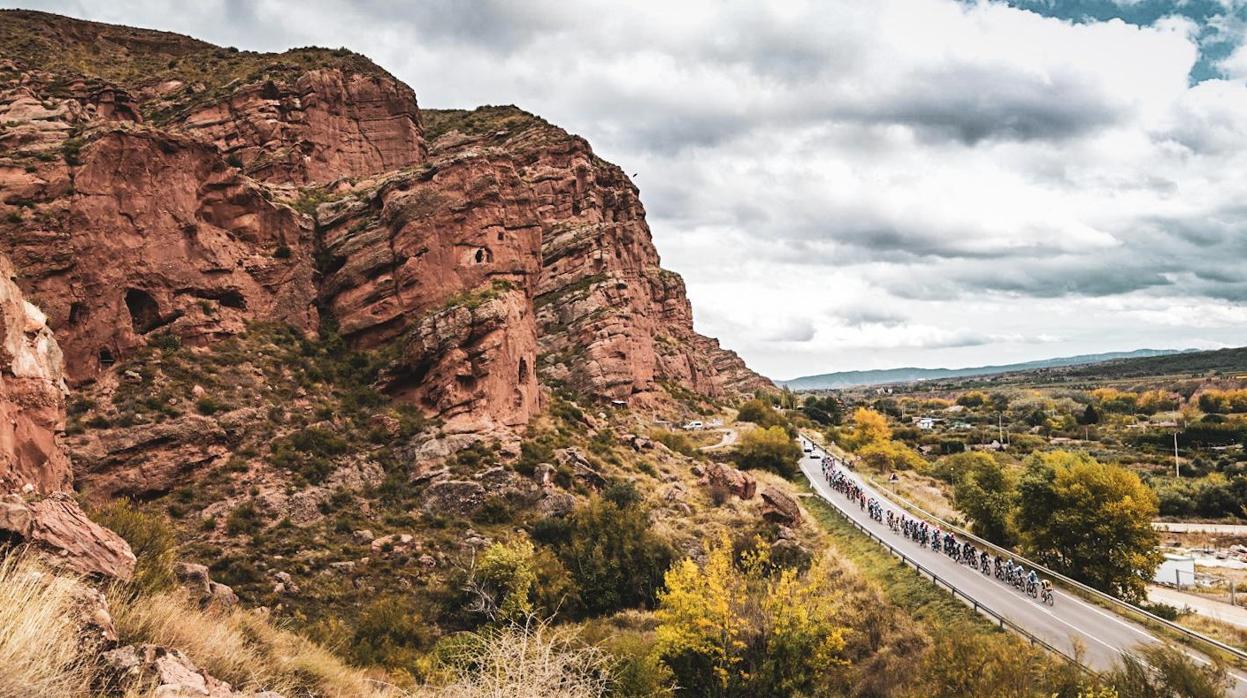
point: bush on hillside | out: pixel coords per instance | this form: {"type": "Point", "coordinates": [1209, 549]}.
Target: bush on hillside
{"type": "Point", "coordinates": [771, 449]}
{"type": "Point", "coordinates": [151, 538]}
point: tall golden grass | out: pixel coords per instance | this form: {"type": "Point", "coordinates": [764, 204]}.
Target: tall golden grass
{"type": "Point", "coordinates": [41, 653]}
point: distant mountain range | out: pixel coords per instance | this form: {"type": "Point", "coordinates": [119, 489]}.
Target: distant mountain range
{"type": "Point", "coordinates": [850, 379]}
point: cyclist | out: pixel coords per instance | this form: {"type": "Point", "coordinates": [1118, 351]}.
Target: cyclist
{"type": "Point", "coordinates": [1046, 592]}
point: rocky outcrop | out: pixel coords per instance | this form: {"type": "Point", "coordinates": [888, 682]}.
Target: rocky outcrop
{"type": "Point", "coordinates": [612, 322]}
{"type": "Point", "coordinates": [199, 584]}
{"type": "Point", "coordinates": [32, 395]}
{"type": "Point", "coordinates": [34, 470]}
{"type": "Point", "coordinates": [193, 249]}
{"type": "Point", "coordinates": [730, 480]}
{"type": "Point", "coordinates": [483, 252]}
{"type": "Point", "coordinates": [166, 672]}
{"type": "Point", "coordinates": [322, 125]}
{"type": "Point", "coordinates": [56, 526]}
{"type": "Point", "coordinates": [148, 459]}
{"type": "Point", "coordinates": [780, 508]}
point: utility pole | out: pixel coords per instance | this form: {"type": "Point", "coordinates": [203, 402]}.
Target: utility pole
{"type": "Point", "coordinates": [1177, 472]}
{"type": "Point", "coordinates": [1000, 422]}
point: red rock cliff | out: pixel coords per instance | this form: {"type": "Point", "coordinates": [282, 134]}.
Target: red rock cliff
{"type": "Point", "coordinates": [175, 187]}
{"type": "Point", "coordinates": [34, 471]}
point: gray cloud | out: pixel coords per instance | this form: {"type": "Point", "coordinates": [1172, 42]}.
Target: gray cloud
{"type": "Point", "coordinates": [917, 165]}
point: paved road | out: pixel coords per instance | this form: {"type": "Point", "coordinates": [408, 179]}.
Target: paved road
{"type": "Point", "coordinates": [1070, 621]}
{"type": "Point", "coordinates": [729, 437]}
{"type": "Point", "coordinates": [1224, 612]}
{"type": "Point", "coordinates": [1195, 527]}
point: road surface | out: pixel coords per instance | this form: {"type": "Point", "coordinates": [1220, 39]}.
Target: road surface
{"type": "Point", "coordinates": [729, 438]}
{"type": "Point", "coordinates": [1195, 527]}
{"type": "Point", "coordinates": [1068, 623]}
{"type": "Point", "coordinates": [1218, 610]}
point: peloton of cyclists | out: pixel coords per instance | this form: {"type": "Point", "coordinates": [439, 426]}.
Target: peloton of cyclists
{"type": "Point", "coordinates": [924, 534]}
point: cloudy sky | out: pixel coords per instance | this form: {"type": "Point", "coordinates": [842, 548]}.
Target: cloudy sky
{"type": "Point", "coordinates": [853, 184]}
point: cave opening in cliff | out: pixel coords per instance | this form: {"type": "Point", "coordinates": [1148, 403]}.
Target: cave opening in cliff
{"type": "Point", "coordinates": [232, 299]}
{"type": "Point", "coordinates": [484, 255]}
{"type": "Point", "coordinates": [106, 357]}
{"type": "Point", "coordinates": [523, 373]}
{"type": "Point", "coordinates": [144, 311]}
{"type": "Point", "coordinates": [77, 311]}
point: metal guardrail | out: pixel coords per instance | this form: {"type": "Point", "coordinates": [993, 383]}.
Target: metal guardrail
{"type": "Point", "coordinates": [978, 606]}
{"type": "Point", "coordinates": [1064, 580]}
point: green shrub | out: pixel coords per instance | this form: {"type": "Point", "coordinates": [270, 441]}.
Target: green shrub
{"type": "Point", "coordinates": [760, 413]}
{"type": "Point", "coordinates": [207, 406]}
{"type": "Point", "coordinates": [243, 519]}
{"type": "Point", "coordinates": [390, 632]}
{"type": "Point", "coordinates": [309, 452]}
{"type": "Point", "coordinates": [674, 440]}
{"type": "Point", "coordinates": [151, 538]}
{"type": "Point", "coordinates": [769, 448]}
{"type": "Point", "coordinates": [615, 558]}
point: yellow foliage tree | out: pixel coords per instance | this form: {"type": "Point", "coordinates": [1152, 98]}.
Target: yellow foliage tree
{"type": "Point", "coordinates": [747, 630]}
{"type": "Point", "coordinates": [869, 427]}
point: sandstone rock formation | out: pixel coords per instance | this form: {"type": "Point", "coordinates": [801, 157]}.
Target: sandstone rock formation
{"type": "Point", "coordinates": [780, 508]}
{"type": "Point", "coordinates": [32, 395]}
{"type": "Point", "coordinates": [208, 593]}
{"type": "Point", "coordinates": [34, 470]}
{"type": "Point", "coordinates": [739, 483]}
{"type": "Point", "coordinates": [483, 254]}
{"type": "Point", "coordinates": [57, 526]}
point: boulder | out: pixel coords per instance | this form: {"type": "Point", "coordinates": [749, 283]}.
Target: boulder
{"type": "Point", "coordinates": [544, 474]}
{"type": "Point", "coordinates": [56, 526]}
{"type": "Point", "coordinates": [557, 504]}
{"type": "Point", "coordinates": [582, 468]}
{"type": "Point", "coordinates": [170, 671]}
{"type": "Point", "coordinates": [738, 483]}
{"type": "Point", "coordinates": [779, 508]}
{"type": "Point", "coordinates": [454, 497]}
{"type": "Point", "coordinates": [199, 584]}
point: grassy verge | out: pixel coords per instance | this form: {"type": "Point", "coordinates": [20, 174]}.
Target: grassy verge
{"type": "Point", "coordinates": [903, 585]}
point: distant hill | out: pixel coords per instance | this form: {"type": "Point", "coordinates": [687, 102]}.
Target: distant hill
{"type": "Point", "coordinates": [850, 379]}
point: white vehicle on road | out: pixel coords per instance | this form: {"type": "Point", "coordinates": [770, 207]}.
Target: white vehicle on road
{"type": "Point", "coordinates": [694, 425]}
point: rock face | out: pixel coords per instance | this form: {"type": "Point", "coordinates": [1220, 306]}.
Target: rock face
{"type": "Point", "coordinates": [324, 124]}
{"type": "Point", "coordinates": [193, 249]}
{"type": "Point", "coordinates": [34, 470]}
{"type": "Point", "coordinates": [486, 251]}
{"type": "Point", "coordinates": [32, 395]}
{"type": "Point", "coordinates": [611, 321]}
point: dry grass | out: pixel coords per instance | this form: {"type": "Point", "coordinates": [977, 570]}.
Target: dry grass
{"type": "Point", "coordinates": [1228, 633]}
{"type": "Point", "coordinates": [41, 653]}
{"type": "Point", "coordinates": [531, 661]}
{"type": "Point", "coordinates": [242, 647]}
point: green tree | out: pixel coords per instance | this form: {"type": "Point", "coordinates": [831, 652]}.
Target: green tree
{"type": "Point", "coordinates": [973, 398]}
{"type": "Point", "coordinates": [1090, 415]}
{"type": "Point", "coordinates": [503, 581]}
{"type": "Point", "coordinates": [613, 554]}
{"type": "Point", "coordinates": [825, 410]}
{"type": "Point", "coordinates": [771, 449]}
{"type": "Point", "coordinates": [760, 413]}
{"type": "Point", "coordinates": [986, 491]}
{"type": "Point", "coordinates": [1090, 520]}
